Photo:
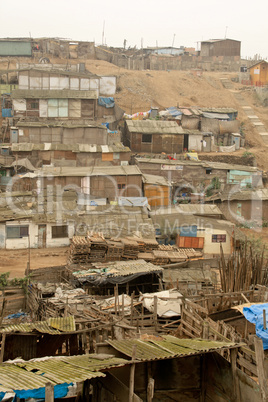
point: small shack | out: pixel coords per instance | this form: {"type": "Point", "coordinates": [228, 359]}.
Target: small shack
{"type": "Point", "coordinates": [153, 136]}
{"type": "Point", "coordinates": [259, 73]}
{"type": "Point", "coordinates": [157, 189]}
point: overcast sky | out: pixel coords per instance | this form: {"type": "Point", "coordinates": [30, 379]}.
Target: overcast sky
{"type": "Point", "coordinates": [154, 22]}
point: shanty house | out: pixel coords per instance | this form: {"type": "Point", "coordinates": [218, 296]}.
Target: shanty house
{"type": "Point", "coordinates": [103, 182]}
{"type": "Point", "coordinates": [243, 206]}
{"type": "Point", "coordinates": [220, 47]}
{"type": "Point", "coordinates": [71, 154]}
{"type": "Point", "coordinates": [52, 224]}
{"type": "Point", "coordinates": [54, 94]}
{"type": "Point", "coordinates": [200, 176]}
{"type": "Point", "coordinates": [66, 132]}
{"type": "Point", "coordinates": [259, 73]}
{"type": "Point", "coordinates": [198, 232]}
{"type": "Point", "coordinates": [153, 136]}
{"type": "Point", "coordinates": [157, 189]}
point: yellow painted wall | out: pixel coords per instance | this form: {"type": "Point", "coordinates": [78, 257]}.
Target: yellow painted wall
{"type": "Point", "coordinates": [157, 195]}
{"type": "Point", "coordinates": [259, 74]}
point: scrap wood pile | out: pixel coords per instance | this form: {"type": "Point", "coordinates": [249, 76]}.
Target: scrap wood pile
{"type": "Point", "coordinates": [244, 269]}
{"type": "Point", "coordinates": [98, 247]}
{"type": "Point", "coordinates": [167, 254]}
{"type": "Point", "coordinates": [63, 302]}
{"type": "Point", "coordinates": [79, 250]}
{"type": "Point", "coordinates": [95, 248]}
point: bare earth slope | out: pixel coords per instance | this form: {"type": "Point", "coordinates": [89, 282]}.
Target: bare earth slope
{"type": "Point", "coordinates": [139, 90]}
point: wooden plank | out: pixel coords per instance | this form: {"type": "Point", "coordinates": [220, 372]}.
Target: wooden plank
{"type": "Point", "coordinates": [236, 389]}
{"type": "Point", "coordinates": [132, 375]}
{"type": "Point", "coordinates": [196, 331]}
{"type": "Point", "coordinates": [197, 307]}
{"type": "Point", "coordinates": [120, 390]}
{"type": "Point", "coordinates": [247, 365]}
{"type": "Point", "coordinates": [49, 393]}
{"type": "Point", "coordinates": [260, 367]}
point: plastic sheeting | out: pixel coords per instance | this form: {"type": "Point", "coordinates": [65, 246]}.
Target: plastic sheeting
{"type": "Point", "coordinates": [254, 314]}
{"type": "Point", "coordinates": [106, 102]}
{"type": "Point", "coordinates": [133, 201]}
{"type": "Point", "coordinates": [230, 148]}
{"type": "Point", "coordinates": [60, 391]}
{"type": "Point", "coordinates": [166, 305]}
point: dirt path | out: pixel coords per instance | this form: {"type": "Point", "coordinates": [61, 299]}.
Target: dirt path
{"type": "Point", "coordinates": [15, 261]}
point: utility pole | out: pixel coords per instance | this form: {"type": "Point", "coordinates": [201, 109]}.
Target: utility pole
{"type": "Point", "coordinates": [103, 32]}
{"type": "Point", "coordinates": [173, 43]}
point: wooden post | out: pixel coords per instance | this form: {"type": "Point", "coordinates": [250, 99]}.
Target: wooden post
{"type": "Point", "coordinates": [205, 333]}
{"type": "Point", "coordinates": [264, 318]}
{"type": "Point", "coordinates": [236, 390]}
{"type": "Point", "coordinates": [123, 305]}
{"type": "Point", "coordinates": [150, 383]}
{"type": "Point", "coordinates": [2, 348]}
{"type": "Point", "coordinates": [155, 313]}
{"type": "Point", "coordinates": [132, 311]}
{"type": "Point", "coordinates": [49, 396]}
{"type": "Point", "coordinates": [132, 375]}
{"type": "Point", "coordinates": [260, 367]}
{"type": "Point", "coordinates": [3, 308]}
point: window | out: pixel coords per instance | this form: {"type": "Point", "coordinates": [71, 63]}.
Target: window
{"type": "Point", "coordinates": [121, 186]}
{"type": "Point", "coordinates": [17, 232]}
{"type": "Point", "coordinates": [146, 138]}
{"type": "Point", "coordinates": [59, 231]}
{"type": "Point", "coordinates": [218, 238]}
{"type": "Point", "coordinates": [57, 108]}
{"type": "Point", "coordinates": [34, 105]}
{"type": "Point", "coordinates": [208, 171]}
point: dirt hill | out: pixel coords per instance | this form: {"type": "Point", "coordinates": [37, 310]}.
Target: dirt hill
{"type": "Point", "coordinates": [139, 90]}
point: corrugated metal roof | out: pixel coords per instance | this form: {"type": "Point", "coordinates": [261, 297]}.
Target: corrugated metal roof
{"type": "Point", "coordinates": [154, 127]}
{"type": "Point", "coordinates": [53, 94]}
{"type": "Point", "coordinates": [129, 170]}
{"type": "Point", "coordinates": [119, 268]}
{"type": "Point", "coordinates": [214, 115]}
{"type": "Point", "coordinates": [58, 71]}
{"type": "Point", "coordinates": [48, 146]}
{"type": "Point", "coordinates": [205, 164]}
{"type": "Point", "coordinates": [240, 195]}
{"type": "Point", "coordinates": [35, 373]}
{"type": "Point", "coordinates": [168, 347]}
{"type": "Point", "coordinates": [52, 326]}
{"type": "Point", "coordinates": [221, 110]}
{"type": "Point", "coordinates": [154, 179]}
{"type": "Point", "coordinates": [193, 209]}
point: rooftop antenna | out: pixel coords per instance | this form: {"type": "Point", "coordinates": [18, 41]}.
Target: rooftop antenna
{"type": "Point", "coordinates": [173, 43]}
{"type": "Point", "coordinates": [103, 32]}
{"type": "Point", "coordinates": [225, 32]}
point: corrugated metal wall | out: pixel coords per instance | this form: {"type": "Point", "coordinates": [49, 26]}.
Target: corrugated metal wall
{"type": "Point", "coordinates": [12, 48]}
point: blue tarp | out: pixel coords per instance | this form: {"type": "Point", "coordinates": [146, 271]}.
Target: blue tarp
{"type": "Point", "coordinates": [16, 315]}
{"type": "Point", "coordinates": [60, 391]}
{"type": "Point", "coordinates": [6, 112]}
{"type": "Point", "coordinates": [107, 102]}
{"type": "Point", "coordinates": [174, 111]}
{"type": "Point", "coordinates": [254, 314]}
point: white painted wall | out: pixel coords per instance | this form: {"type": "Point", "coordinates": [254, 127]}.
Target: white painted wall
{"type": "Point", "coordinates": [24, 241]}
{"type": "Point", "coordinates": [62, 242]}
{"type": "Point", "coordinates": [195, 142]}
{"type": "Point", "coordinates": [214, 248]}
{"type": "Point", "coordinates": [2, 235]}
{"type": "Point", "coordinates": [108, 86]}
